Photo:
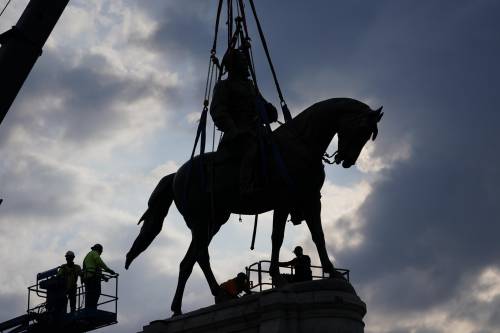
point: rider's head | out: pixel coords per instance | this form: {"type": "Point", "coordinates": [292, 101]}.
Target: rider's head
{"type": "Point", "coordinates": [298, 250]}
{"type": "Point", "coordinates": [236, 63]}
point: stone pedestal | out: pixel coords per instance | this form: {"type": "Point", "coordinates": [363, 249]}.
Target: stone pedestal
{"type": "Point", "coordinates": [309, 307]}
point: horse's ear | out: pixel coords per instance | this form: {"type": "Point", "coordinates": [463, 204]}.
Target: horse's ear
{"type": "Point", "coordinates": [379, 113]}
{"type": "Point", "coordinates": [376, 116]}
{"type": "Point", "coordinates": [374, 133]}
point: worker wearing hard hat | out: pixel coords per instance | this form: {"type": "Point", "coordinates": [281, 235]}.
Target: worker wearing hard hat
{"type": "Point", "coordinates": [302, 265]}
{"type": "Point", "coordinates": [233, 287]}
{"type": "Point", "coordinates": [92, 274]}
{"type": "Point", "coordinates": [70, 272]}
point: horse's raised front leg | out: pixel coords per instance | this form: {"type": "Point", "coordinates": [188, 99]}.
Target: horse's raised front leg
{"type": "Point", "coordinates": [279, 221]}
{"type": "Point", "coordinates": [313, 220]}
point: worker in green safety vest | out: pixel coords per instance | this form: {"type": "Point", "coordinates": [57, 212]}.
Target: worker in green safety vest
{"type": "Point", "coordinates": [93, 266]}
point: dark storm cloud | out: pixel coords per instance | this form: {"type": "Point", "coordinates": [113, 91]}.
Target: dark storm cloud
{"type": "Point", "coordinates": [183, 37]}
{"type": "Point", "coordinates": [184, 34]}
{"type": "Point", "coordinates": [89, 95]}
{"type": "Point", "coordinates": [431, 221]}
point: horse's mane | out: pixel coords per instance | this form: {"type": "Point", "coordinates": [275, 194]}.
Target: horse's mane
{"type": "Point", "coordinates": [300, 124]}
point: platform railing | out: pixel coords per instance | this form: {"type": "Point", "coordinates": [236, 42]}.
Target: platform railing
{"type": "Point", "coordinates": [263, 280]}
{"type": "Point", "coordinates": [80, 294]}
{"type": "Point", "coordinates": [38, 297]}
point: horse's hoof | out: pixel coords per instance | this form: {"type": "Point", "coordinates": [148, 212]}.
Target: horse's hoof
{"type": "Point", "coordinates": [176, 314]}
{"type": "Point", "coordinates": [128, 260]}
{"type": "Point", "coordinates": [337, 275]}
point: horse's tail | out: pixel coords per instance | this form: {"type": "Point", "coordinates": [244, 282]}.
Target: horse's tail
{"type": "Point", "coordinates": [158, 206]}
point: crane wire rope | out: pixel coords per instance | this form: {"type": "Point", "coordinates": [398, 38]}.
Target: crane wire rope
{"type": "Point", "coordinates": [5, 7]}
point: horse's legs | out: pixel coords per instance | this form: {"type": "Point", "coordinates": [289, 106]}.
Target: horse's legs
{"type": "Point", "coordinates": [313, 220]}
{"type": "Point", "coordinates": [279, 221]}
{"type": "Point", "coordinates": [185, 269]}
{"type": "Point", "coordinates": [198, 251]}
{"type": "Point", "coordinates": [204, 262]}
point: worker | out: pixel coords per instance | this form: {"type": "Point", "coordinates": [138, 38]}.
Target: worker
{"type": "Point", "coordinates": [70, 273]}
{"type": "Point", "coordinates": [301, 264]}
{"type": "Point", "coordinates": [234, 112]}
{"type": "Point", "coordinates": [233, 287]}
{"type": "Point", "coordinates": [93, 266]}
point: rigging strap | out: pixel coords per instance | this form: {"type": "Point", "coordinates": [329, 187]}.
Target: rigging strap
{"type": "Point", "coordinates": [284, 107]}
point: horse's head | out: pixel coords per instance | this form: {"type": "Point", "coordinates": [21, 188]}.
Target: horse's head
{"type": "Point", "coordinates": [353, 134]}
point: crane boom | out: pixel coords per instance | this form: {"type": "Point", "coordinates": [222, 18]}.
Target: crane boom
{"type": "Point", "coordinates": [22, 45]}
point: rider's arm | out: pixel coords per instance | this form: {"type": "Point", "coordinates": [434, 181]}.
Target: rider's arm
{"type": "Point", "coordinates": [219, 108]}
{"type": "Point", "coordinates": [272, 113]}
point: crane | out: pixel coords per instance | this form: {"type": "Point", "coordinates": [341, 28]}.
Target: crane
{"type": "Point", "coordinates": [22, 45]}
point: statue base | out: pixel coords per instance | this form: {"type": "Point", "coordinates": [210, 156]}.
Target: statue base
{"type": "Point", "coordinates": [310, 307]}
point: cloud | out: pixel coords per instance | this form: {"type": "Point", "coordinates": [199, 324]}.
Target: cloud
{"type": "Point", "coordinates": [108, 110]}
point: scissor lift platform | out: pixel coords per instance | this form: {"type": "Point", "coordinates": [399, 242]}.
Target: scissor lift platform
{"type": "Point", "coordinates": [45, 313]}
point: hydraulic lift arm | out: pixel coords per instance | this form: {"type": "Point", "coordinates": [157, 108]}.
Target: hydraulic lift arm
{"type": "Point", "coordinates": [22, 45]}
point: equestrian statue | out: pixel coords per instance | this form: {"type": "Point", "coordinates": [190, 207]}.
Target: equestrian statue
{"type": "Point", "coordinates": [207, 189]}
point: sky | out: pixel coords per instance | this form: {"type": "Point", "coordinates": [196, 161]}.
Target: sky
{"type": "Point", "coordinates": [112, 105]}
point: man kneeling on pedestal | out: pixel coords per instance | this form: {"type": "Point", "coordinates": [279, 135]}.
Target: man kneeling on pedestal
{"type": "Point", "coordinates": [232, 288]}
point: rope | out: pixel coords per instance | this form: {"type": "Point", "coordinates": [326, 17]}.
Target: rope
{"type": "Point", "coordinates": [219, 8]}
{"type": "Point", "coordinates": [5, 7]}
{"type": "Point", "coordinates": [246, 39]}
{"type": "Point", "coordinates": [229, 21]}
{"type": "Point", "coordinates": [284, 107]}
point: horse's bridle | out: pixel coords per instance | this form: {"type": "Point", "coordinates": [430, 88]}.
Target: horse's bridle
{"type": "Point", "coordinates": [326, 157]}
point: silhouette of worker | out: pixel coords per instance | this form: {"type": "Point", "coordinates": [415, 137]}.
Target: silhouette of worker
{"type": "Point", "coordinates": [234, 112]}
{"type": "Point", "coordinates": [233, 287]}
{"type": "Point", "coordinates": [301, 264]}
{"type": "Point", "coordinates": [70, 272]}
{"type": "Point", "coordinates": [92, 275]}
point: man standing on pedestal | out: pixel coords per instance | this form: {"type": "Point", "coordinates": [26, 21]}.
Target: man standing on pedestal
{"type": "Point", "coordinates": [302, 265]}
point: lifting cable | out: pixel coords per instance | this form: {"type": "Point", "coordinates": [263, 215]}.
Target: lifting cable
{"type": "Point", "coordinates": [5, 7]}
{"type": "Point", "coordinates": [284, 107]}
{"type": "Point", "coordinates": [239, 37]}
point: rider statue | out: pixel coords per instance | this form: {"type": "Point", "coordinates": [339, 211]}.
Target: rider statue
{"type": "Point", "coordinates": [234, 112]}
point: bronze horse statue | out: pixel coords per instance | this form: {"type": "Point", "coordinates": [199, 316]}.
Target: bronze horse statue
{"type": "Point", "coordinates": [302, 143]}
